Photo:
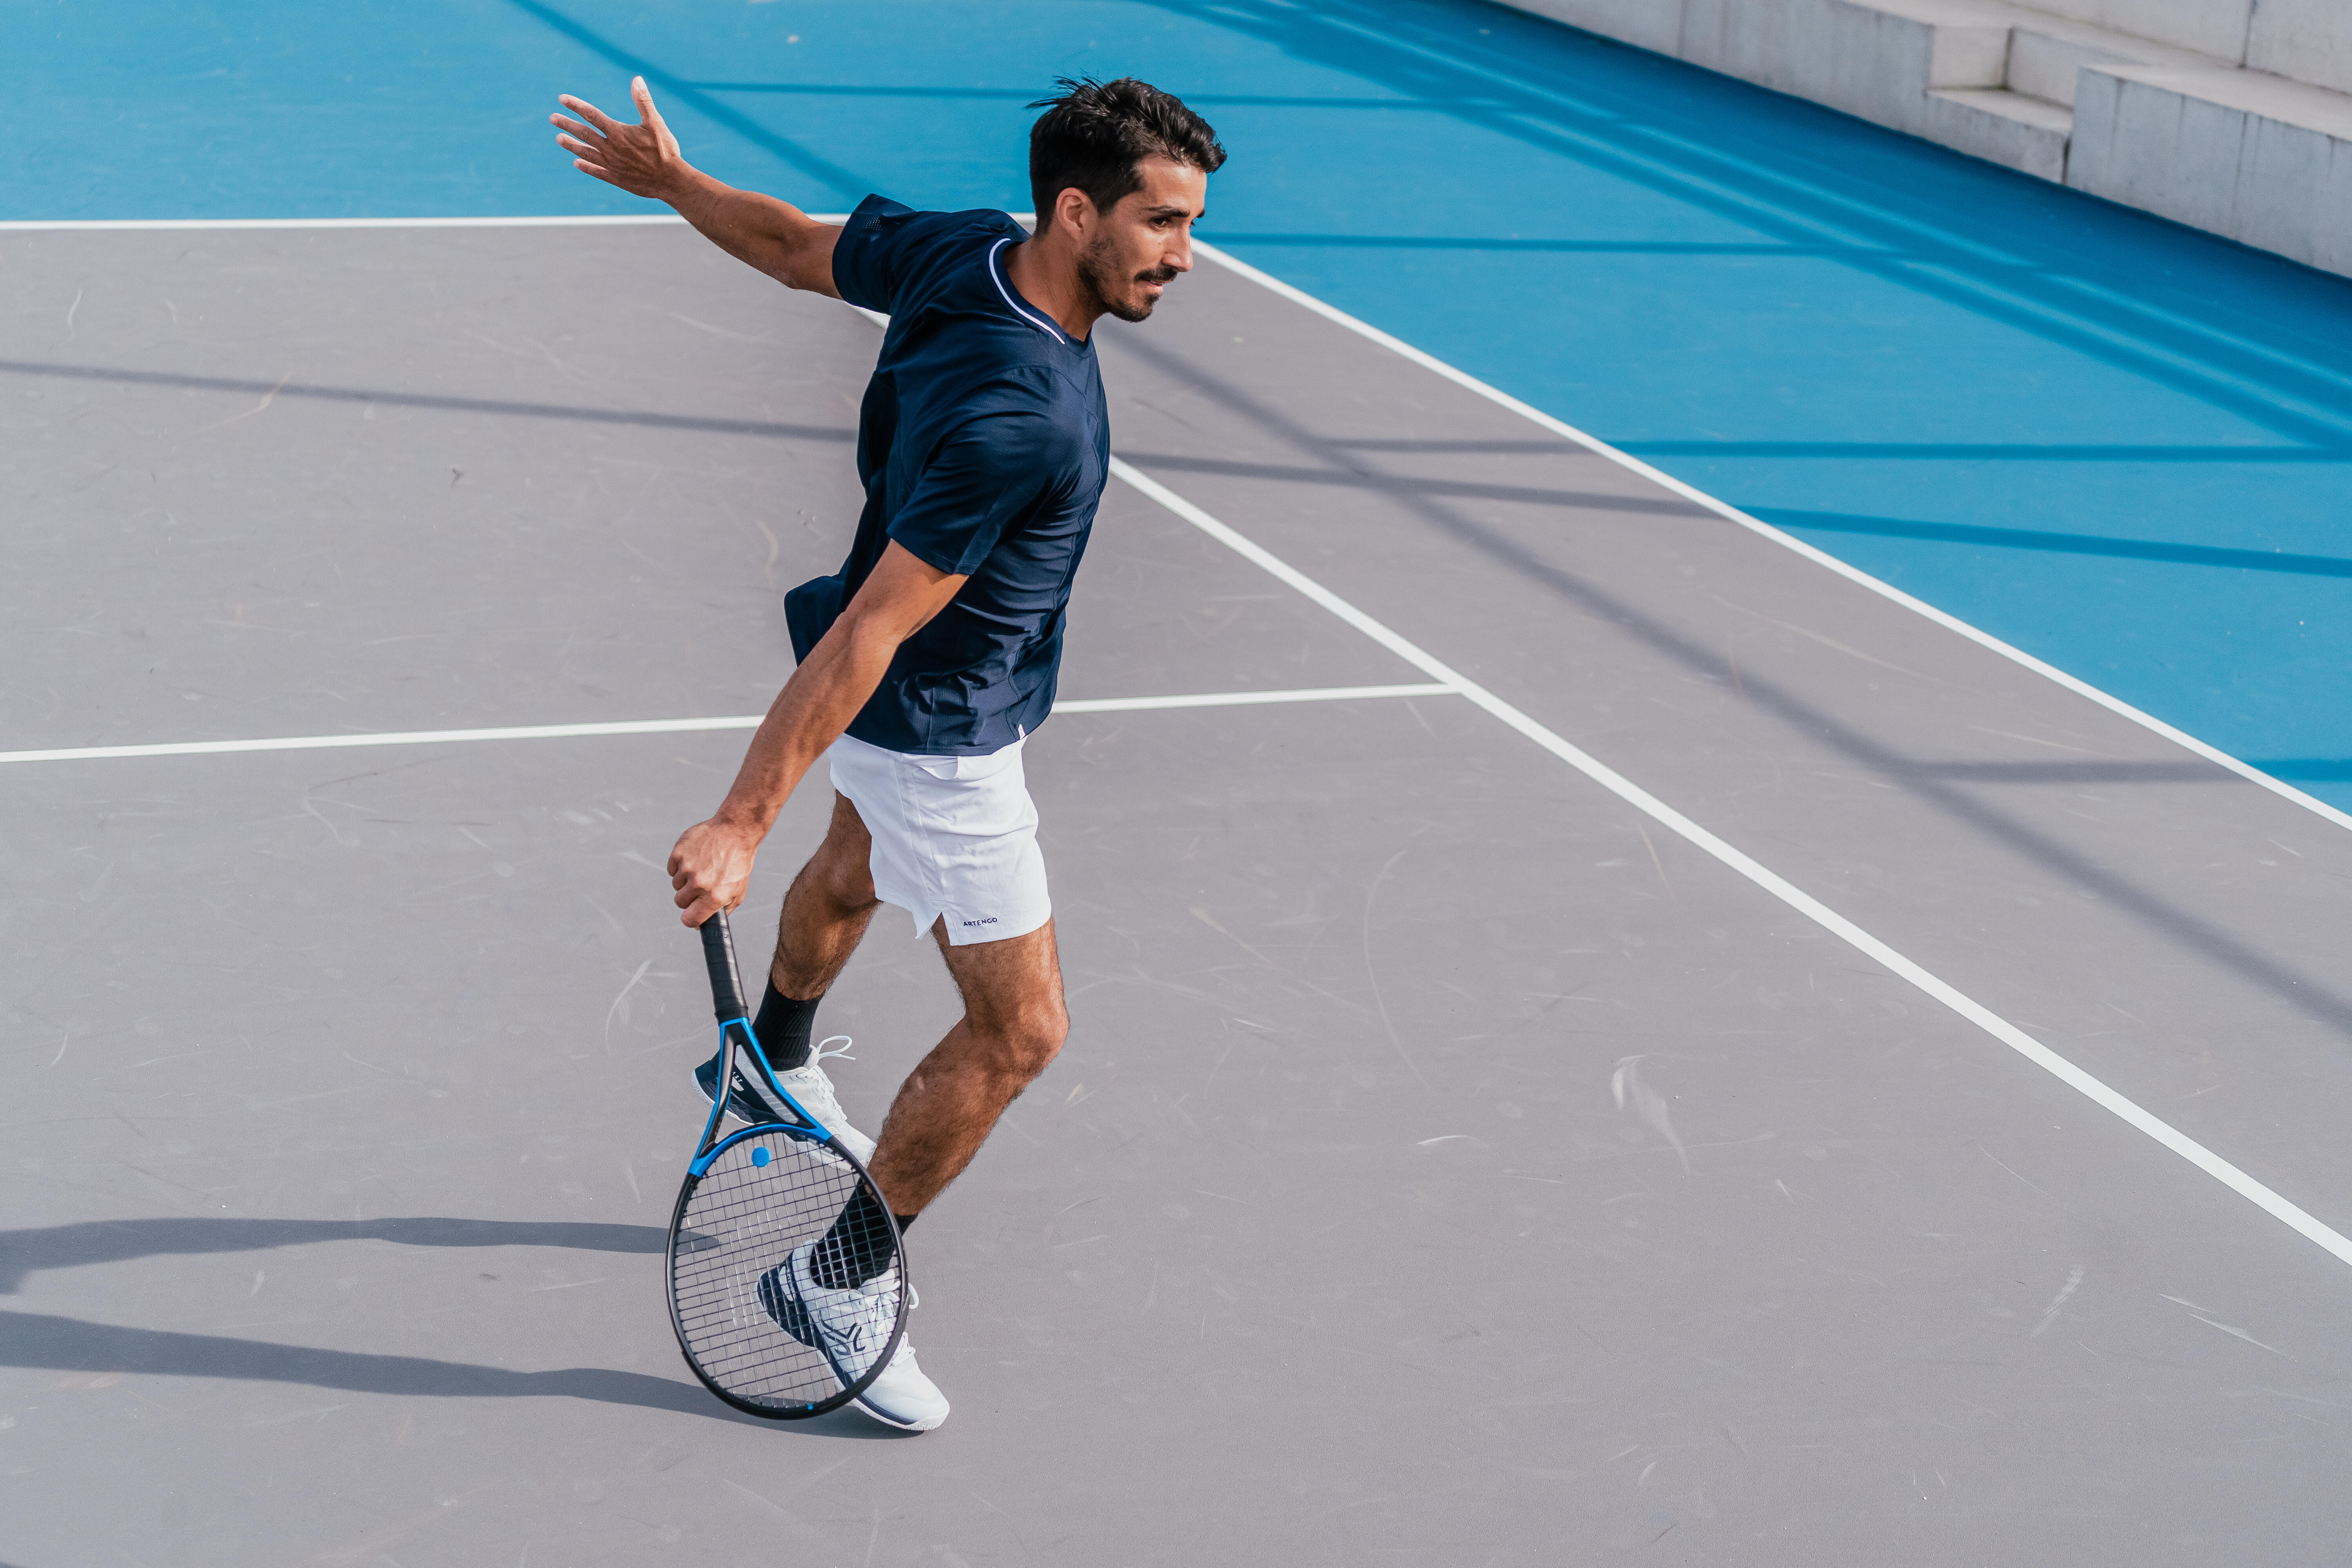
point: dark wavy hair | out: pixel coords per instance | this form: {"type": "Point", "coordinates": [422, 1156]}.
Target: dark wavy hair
{"type": "Point", "coordinates": [1094, 133]}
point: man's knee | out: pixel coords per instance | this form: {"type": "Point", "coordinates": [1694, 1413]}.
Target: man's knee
{"type": "Point", "coordinates": [841, 874]}
{"type": "Point", "coordinates": [1023, 1043]}
{"type": "Point", "coordinates": [1044, 1036]}
{"type": "Point", "coordinates": [844, 883]}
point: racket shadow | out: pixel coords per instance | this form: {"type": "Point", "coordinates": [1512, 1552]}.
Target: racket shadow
{"type": "Point", "coordinates": [24, 1253]}
{"type": "Point", "coordinates": [41, 1341]}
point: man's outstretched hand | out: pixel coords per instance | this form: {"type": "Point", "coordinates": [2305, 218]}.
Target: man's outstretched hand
{"type": "Point", "coordinates": [778, 238]}
{"type": "Point", "coordinates": [711, 868]}
{"type": "Point", "coordinates": [641, 159]}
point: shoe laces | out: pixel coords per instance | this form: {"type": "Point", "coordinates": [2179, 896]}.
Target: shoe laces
{"type": "Point", "coordinates": [815, 1064]}
{"type": "Point", "coordinates": [810, 1083]}
{"type": "Point", "coordinates": [813, 1071]}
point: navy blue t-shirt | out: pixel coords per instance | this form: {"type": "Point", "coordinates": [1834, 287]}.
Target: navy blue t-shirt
{"type": "Point", "coordinates": [983, 444]}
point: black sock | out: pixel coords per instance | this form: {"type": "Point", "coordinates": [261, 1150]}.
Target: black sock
{"type": "Point", "coordinates": [857, 1247]}
{"type": "Point", "coordinates": [784, 1026]}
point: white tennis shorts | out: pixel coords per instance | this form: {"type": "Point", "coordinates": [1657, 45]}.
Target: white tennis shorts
{"type": "Point", "coordinates": [954, 838]}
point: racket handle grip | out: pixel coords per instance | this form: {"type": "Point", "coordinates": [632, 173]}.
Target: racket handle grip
{"type": "Point", "coordinates": [719, 954]}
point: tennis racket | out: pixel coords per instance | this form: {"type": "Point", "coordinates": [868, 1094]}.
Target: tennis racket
{"type": "Point", "coordinates": [787, 1286]}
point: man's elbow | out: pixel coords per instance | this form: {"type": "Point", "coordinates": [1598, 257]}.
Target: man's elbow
{"type": "Point", "coordinates": [878, 629]}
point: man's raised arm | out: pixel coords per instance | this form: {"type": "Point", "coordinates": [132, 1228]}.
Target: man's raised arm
{"type": "Point", "coordinates": [712, 864]}
{"type": "Point", "coordinates": [775, 236]}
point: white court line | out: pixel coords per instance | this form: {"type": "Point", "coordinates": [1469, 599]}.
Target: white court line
{"type": "Point", "coordinates": [1566, 432]}
{"type": "Point", "coordinates": [1241, 698]}
{"type": "Point", "coordinates": [1787, 892]}
{"type": "Point", "coordinates": [577, 220]}
{"type": "Point", "coordinates": [588, 220]}
{"type": "Point", "coordinates": [390, 738]}
{"type": "Point", "coordinates": [681, 726]}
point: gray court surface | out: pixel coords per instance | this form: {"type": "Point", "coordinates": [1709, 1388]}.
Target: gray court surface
{"type": "Point", "coordinates": [1448, 1164]}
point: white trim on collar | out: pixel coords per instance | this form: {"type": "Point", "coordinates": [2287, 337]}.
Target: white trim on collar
{"type": "Point", "coordinates": [997, 277]}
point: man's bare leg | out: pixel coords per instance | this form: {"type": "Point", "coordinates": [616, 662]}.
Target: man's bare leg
{"type": "Point", "coordinates": [828, 909]}
{"type": "Point", "coordinates": [1013, 1026]}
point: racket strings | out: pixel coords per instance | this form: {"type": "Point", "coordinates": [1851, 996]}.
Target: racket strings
{"type": "Point", "coordinates": [861, 1246]}
{"type": "Point", "coordinates": [740, 1321]}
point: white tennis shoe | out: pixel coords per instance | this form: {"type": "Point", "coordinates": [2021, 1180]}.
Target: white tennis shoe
{"type": "Point", "coordinates": [902, 1397]}
{"type": "Point", "coordinates": [850, 1327]}
{"type": "Point", "coordinates": [808, 1084]}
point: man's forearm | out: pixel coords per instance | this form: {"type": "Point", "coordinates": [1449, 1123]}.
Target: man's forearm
{"type": "Point", "coordinates": [643, 160]}
{"type": "Point", "coordinates": [712, 864]}
{"type": "Point", "coordinates": [811, 712]}
{"type": "Point", "coordinates": [760, 231]}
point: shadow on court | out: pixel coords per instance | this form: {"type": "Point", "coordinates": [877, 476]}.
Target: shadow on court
{"type": "Point", "coordinates": [27, 1252]}
{"type": "Point", "coordinates": [2060, 543]}
{"type": "Point", "coordinates": [369, 395]}
{"type": "Point", "coordinates": [1465, 489]}
{"type": "Point", "coordinates": [1784, 517]}
{"type": "Point", "coordinates": [39, 1341]}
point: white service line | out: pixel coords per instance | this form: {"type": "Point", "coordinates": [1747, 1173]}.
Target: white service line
{"type": "Point", "coordinates": [684, 726]}
{"type": "Point", "coordinates": [1594, 443]}
{"type": "Point", "coordinates": [575, 220]}
{"type": "Point", "coordinates": [591, 220]}
{"type": "Point", "coordinates": [389, 738]}
{"type": "Point", "coordinates": [1246, 699]}
{"type": "Point", "coordinates": [1772, 882]}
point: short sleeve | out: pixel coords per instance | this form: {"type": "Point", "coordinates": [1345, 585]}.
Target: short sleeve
{"type": "Point", "coordinates": [984, 478]}
{"type": "Point", "coordinates": [865, 257]}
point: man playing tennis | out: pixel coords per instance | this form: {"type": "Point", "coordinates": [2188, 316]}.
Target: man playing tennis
{"type": "Point", "coordinates": [929, 660]}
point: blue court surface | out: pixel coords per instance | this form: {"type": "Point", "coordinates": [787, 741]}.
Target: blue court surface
{"type": "Point", "coordinates": [2117, 443]}
{"type": "Point", "coordinates": [1601, 1031]}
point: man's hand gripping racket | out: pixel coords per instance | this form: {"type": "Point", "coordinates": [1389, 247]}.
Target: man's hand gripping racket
{"type": "Point", "coordinates": [787, 1285]}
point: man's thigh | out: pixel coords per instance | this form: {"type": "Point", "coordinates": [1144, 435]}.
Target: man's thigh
{"type": "Point", "coordinates": [1014, 982]}
{"type": "Point", "coordinates": [844, 862]}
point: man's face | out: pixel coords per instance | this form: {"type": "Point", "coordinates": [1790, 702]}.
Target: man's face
{"type": "Point", "coordinates": [1136, 249]}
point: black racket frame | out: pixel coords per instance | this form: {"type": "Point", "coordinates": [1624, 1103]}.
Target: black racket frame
{"type": "Point", "coordinates": [735, 1032]}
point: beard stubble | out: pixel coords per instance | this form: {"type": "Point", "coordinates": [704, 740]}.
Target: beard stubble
{"type": "Point", "coordinates": [1098, 270]}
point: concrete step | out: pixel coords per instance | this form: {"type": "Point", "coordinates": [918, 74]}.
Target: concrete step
{"type": "Point", "coordinates": [2004, 127]}
{"type": "Point", "coordinates": [2043, 64]}
{"type": "Point", "coordinates": [2262, 160]}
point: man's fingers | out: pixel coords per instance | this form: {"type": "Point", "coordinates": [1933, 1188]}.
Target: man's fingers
{"type": "Point", "coordinates": [573, 144]}
{"type": "Point", "coordinates": [644, 95]}
{"type": "Point", "coordinates": [702, 903]}
{"type": "Point", "coordinates": [589, 113]}
{"type": "Point", "coordinates": [574, 127]}
{"type": "Point", "coordinates": [708, 873]}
